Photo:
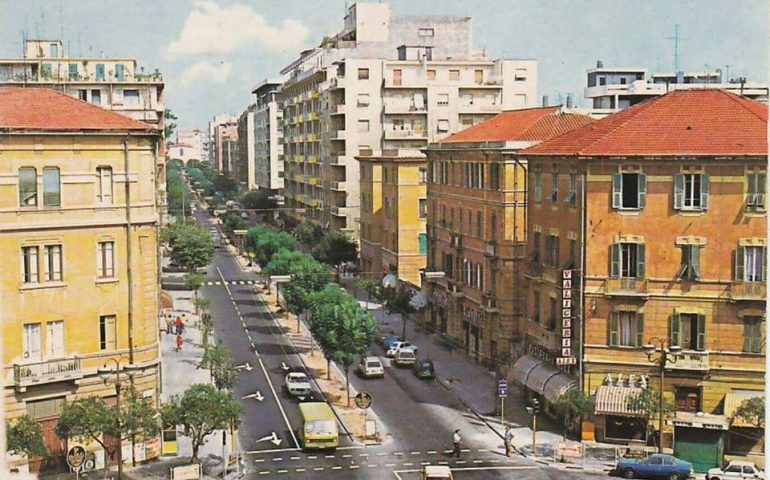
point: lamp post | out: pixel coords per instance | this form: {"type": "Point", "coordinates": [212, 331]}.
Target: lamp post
{"type": "Point", "coordinates": [673, 353]}
{"type": "Point", "coordinates": [104, 373]}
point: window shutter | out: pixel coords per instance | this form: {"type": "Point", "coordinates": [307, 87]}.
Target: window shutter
{"type": "Point", "coordinates": [764, 264]}
{"type": "Point", "coordinates": [555, 251]}
{"type": "Point", "coordinates": [701, 340]}
{"type": "Point", "coordinates": [639, 329]}
{"type": "Point", "coordinates": [640, 248]}
{"type": "Point", "coordinates": [695, 260]}
{"type": "Point", "coordinates": [675, 325]}
{"type": "Point", "coordinates": [747, 335]}
{"type": "Point", "coordinates": [613, 330]}
{"type": "Point", "coordinates": [678, 191]}
{"type": "Point", "coordinates": [615, 260]}
{"type": "Point", "coordinates": [100, 259]}
{"type": "Point", "coordinates": [739, 255]}
{"type": "Point", "coordinates": [751, 193]}
{"type": "Point", "coordinates": [704, 192]}
{"type": "Point", "coordinates": [642, 190]}
{"type": "Point", "coordinates": [617, 190]}
{"type": "Point", "coordinates": [761, 190]}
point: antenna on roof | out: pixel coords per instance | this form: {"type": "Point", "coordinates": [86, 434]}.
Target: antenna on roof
{"type": "Point", "coordinates": [61, 22]}
{"type": "Point", "coordinates": [676, 38]}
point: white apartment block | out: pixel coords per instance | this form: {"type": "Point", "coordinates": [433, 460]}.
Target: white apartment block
{"type": "Point", "coordinates": [384, 83]}
{"type": "Point", "coordinates": [610, 89]}
{"type": "Point", "coordinates": [214, 146]}
{"type": "Point", "coordinates": [268, 135]}
{"type": "Point", "coordinates": [114, 83]}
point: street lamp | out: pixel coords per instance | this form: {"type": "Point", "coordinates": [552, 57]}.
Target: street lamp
{"type": "Point", "coordinates": [105, 373]}
{"type": "Point", "coordinates": [673, 353]}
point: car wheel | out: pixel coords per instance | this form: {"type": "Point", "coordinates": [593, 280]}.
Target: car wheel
{"type": "Point", "coordinates": [674, 476]}
{"type": "Point", "coordinates": [628, 473]}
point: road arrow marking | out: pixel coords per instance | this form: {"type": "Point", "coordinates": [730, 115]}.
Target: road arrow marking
{"type": "Point", "coordinates": [245, 366]}
{"type": "Point", "coordinates": [272, 437]}
{"type": "Point", "coordinates": [284, 367]}
{"type": "Point", "coordinates": [257, 395]}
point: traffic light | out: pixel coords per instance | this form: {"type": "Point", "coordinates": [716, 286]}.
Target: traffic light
{"type": "Point", "coordinates": [535, 405]}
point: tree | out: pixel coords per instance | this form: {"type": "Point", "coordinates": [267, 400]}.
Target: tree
{"type": "Point", "coordinates": [23, 435]}
{"type": "Point", "coordinates": [258, 200]}
{"type": "Point", "coordinates": [571, 405]}
{"type": "Point", "coordinates": [335, 249]}
{"type": "Point", "coordinates": [193, 281]}
{"type": "Point", "coordinates": [306, 278]}
{"type": "Point", "coordinates": [752, 410]}
{"type": "Point", "coordinates": [201, 305]}
{"type": "Point", "coordinates": [207, 324]}
{"type": "Point", "coordinates": [191, 246]}
{"type": "Point", "coordinates": [225, 184]}
{"type": "Point", "coordinates": [216, 358]}
{"type": "Point", "coordinates": [232, 221]}
{"type": "Point", "coordinates": [282, 262]}
{"type": "Point", "coordinates": [168, 127]}
{"type": "Point", "coordinates": [396, 301]}
{"type": "Point", "coordinates": [177, 195]}
{"type": "Point", "coordinates": [201, 410]}
{"type": "Point", "coordinates": [263, 242]}
{"type": "Point", "coordinates": [308, 233]}
{"type": "Point", "coordinates": [647, 402]}
{"type": "Point", "coordinates": [370, 286]}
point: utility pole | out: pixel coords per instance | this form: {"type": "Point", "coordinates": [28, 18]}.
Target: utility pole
{"type": "Point", "coordinates": [676, 38]}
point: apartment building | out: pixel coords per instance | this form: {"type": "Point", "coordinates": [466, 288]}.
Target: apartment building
{"type": "Point", "coordinates": [384, 82]}
{"type": "Point", "coordinates": [244, 166]}
{"type": "Point", "coordinates": [197, 142]}
{"type": "Point", "coordinates": [268, 135]}
{"type": "Point", "coordinates": [610, 89]}
{"type": "Point", "coordinates": [215, 143]}
{"type": "Point", "coordinates": [476, 201]}
{"type": "Point", "coordinates": [393, 213]}
{"type": "Point", "coordinates": [648, 236]}
{"type": "Point", "coordinates": [70, 226]}
{"type": "Point", "coordinates": [225, 146]}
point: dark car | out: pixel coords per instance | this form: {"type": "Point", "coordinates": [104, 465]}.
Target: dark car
{"type": "Point", "coordinates": [657, 465]}
{"type": "Point", "coordinates": [389, 339]}
{"type": "Point", "coordinates": [424, 369]}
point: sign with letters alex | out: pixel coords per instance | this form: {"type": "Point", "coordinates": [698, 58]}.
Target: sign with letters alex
{"type": "Point", "coordinates": [566, 357]}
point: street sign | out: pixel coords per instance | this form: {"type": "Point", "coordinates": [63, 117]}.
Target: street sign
{"type": "Point", "coordinates": [502, 389]}
{"type": "Point", "coordinates": [75, 457]}
{"type": "Point", "coordinates": [364, 400]}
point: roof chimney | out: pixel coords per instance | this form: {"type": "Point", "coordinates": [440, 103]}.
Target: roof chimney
{"type": "Point", "coordinates": [545, 100]}
{"type": "Point", "coordinates": [569, 100]}
{"type": "Point", "coordinates": [599, 64]}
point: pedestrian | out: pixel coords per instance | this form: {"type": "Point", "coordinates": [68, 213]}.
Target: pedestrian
{"type": "Point", "coordinates": [179, 342]}
{"type": "Point", "coordinates": [178, 324]}
{"type": "Point", "coordinates": [508, 439]}
{"type": "Point", "coordinates": [169, 324]}
{"type": "Point", "coordinates": [457, 440]}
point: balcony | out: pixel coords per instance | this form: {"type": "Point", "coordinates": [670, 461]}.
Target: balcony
{"type": "Point", "coordinates": [338, 135]}
{"type": "Point", "coordinates": [312, 159]}
{"type": "Point", "coordinates": [339, 109]}
{"type": "Point", "coordinates": [312, 137]}
{"type": "Point", "coordinates": [489, 303]}
{"type": "Point", "coordinates": [490, 250]}
{"type": "Point", "coordinates": [338, 186]}
{"type": "Point", "coordinates": [404, 108]}
{"type": "Point", "coordinates": [633, 287]}
{"type": "Point", "coordinates": [46, 372]}
{"type": "Point", "coordinates": [690, 360]}
{"type": "Point", "coordinates": [456, 289]}
{"type": "Point", "coordinates": [480, 108]}
{"type": "Point", "coordinates": [337, 160]}
{"type": "Point", "coordinates": [456, 240]}
{"type": "Point", "coordinates": [430, 230]}
{"type": "Point", "coordinates": [298, 158]}
{"type": "Point", "coordinates": [748, 291]}
{"type": "Point", "coordinates": [312, 181]}
{"type": "Point", "coordinates": [337, 82]}
{"type": "Point", "coordinates": [338, 211]}
{"type": "Point", "coordinates": [311, 116]}
{"type": "Point", "coordinates": [406, 135]}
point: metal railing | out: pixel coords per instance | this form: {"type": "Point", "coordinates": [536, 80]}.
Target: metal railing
{"type": "Point", "coordinates": [47, 372]}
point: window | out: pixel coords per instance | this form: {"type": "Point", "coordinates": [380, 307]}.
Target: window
{"type": "Point", "coordinates": [53, 263]}
{"type": "Point", "coordinates": [552, 314]}
{"type": "Point", "coordinates": [688, 330]}
{"type": "Point", "coordinates": [53, 50]}
{"type": "Point", "coordinates": [627, 260]}
{"type": "Point", "coordinates": [363, 74]}
{"type": "Point", "coordinates": [31, 342]}
{"type": "Point", "coordinates": [50, 408]}
{"type": "Point", "coordinates": [478, 76]}
{"type": "Point", "coordinates": [443, 125]}
{"type": "Point", "coordinates": [54, 339]}
{"type": "Point", "coordinates": [27, 187]}
{"type": "Point", "coordinates": [520, 75]}
{"type": "Point", "coordinates": [51, 187]}
{"type": "Point", "coordinates": [442, 99]}
{"type": "Point", "coordinates": [493, 228]}
{"type": "Point", "coordinates": [629, 190]}
{"type": "Point", "coordinates": [107, 332]}
{"type": "Point", "coordinates": [83, 95]}
{"type": "Point", "coordinates": [120, 72]}
{"type": "Point", "coordinates": [756, 193]}
{"type": "Point", "coordinates": [691, 191]}
{"type": "Point", "coordinates": [538, 186]}
{"type": "Point", "coordinates": [690, 267]}
{"type": "Point", "coordinates": [45, 70]}
{"type": "Point", "coordinates": [535, 246]}
{"type": "Point", "coordinates": [29, 265]}
{"type": "Point", "coordinates": [752, 334]}
{"type": "Point", "coordinates": [454, 75]}
{"type": "Point", "coordinates": [363, 126]}
{"type": "Point", "coordinates": [494, 176]}
{"type": "Point", "coordinates": [626, 329]}
{"type": "Point", "coordinates": [554, 194]}
{"type": "Point", "coordinates": [131, 97]}
{"type": "Point", "coordinates": [396, 76]}
{"type": "Point", "coordinates": [422, 241]}
{"type": "Point", "coordinates": [73, 71]}
{"type": "Point", "coordinates": [572, 253]}
{"type": "Point", "coordinates": [430, 75]}
{"type": "Point", "coordinates": [105, 259]}
{"type": "Point", "coordinates": [536, 305]}
{"type": "Point", "coordinates": [552, 250]}
{"type": "Point", "coordinates": [423, 173]}
{"type": "Point", "coordinates": [425, 32]}
{"type": "Point", "coordinates": [363, 100]}
{"type": "Point", "coordinates": [100, 71]}
{"type": "Point", "coordinates": [96, 97]}
{"type": "Point", "coordinates": [104, 186]}
{"type": "Point", "coordinates": [479, 224]}
{"type": "Point", "coordinates": [750, 264]}
{"type": "Point", "coordinates": [572, 192]}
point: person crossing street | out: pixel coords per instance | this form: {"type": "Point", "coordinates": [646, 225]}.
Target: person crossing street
{"type": "Point", "coordinates": [457, 441]}
{"type": "Point", "coordinates": [508, 439]}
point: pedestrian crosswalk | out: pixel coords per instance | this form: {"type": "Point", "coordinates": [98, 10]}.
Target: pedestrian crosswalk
{"type": "Point", "coordinates": [231, 282]}
{"type": "Point", "coordinates": [301, 342]}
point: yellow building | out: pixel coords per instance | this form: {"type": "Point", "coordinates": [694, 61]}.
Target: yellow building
{"type": "Point", "coordinates": [393, 213]}
{"type": "Point", "coordinates": [80, 279]}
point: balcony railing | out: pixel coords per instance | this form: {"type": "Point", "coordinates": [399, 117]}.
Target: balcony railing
{"type": "Point", "coordinates": [337, 159]}
{"type": "Point", "coordinates": [338, 211]}
{"type": "Point", "coordinates": [404, 108]}
{"type": "Point", "coordinates": [626, 286]}
{"type": "Point", "coordinates": [339, 186]}
{"type": "Point", "coordinates": [47, 372]}
{"type": "Point", "coordinates": [339, 109]}
{"type": "Point", "coordinates": [456, 240]}
{"type": "Point", "coordinates": [338, 135]}
{"type": "Point", "coordinates": [748, 291]}
{"type": "Point", "coordinates": [405, 134]}
{"type": "Point", "coordinates": [690, 360]}
{"type": "Point", "coordinates": [490, 250]}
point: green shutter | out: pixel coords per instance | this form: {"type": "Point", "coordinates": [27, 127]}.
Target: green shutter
{"type": "Point", "coordinates": [704, 192]}
{"type": "Point", "coordinates": [617, 190]}
{"type": "Point", "coordinates": [423, 239]}
{"type": "Point", "coordinates": [640, 249]}
{"type": "Point", "coordinates": [642, 190]}
{"type": "Point", "coordinates": [764, 264]}
{"type": "Point", "coordinates": [675, 328]}
{"type": "Point", "coordinates": [751, 191]}
{"type": "Point", "coordinates": [748, 335]}
{"type": "Point", "coordinates": [538, 186]}
{"type": "Point", "coordinates": [614, 330]}
{"type": "Point", "coordinates": [761, 190]}
{"type": "Point", "coordinates": [739, 254]}
{"type": "Point", "coordinates": [615, 260]}
{"type": "Point", "coordinates": [701, 340]}
{"type": "Point", "coordinates": [639, 329]}
{"type": "Point", "coordinates": [678, 191]}
{"type": "Point", "coordinates": [695, 260]}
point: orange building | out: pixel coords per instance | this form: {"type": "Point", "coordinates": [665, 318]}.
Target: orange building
{"type": "Point", "coordinates": [658, 213]}
{"type": "Point", "coordinates": [477, 227]}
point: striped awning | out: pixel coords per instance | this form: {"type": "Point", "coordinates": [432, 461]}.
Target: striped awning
{"type": "Point", "coordinates": [734, 399]}
{"type": "Point", "coordinates": [612, 400]}
{"type": "Point", "coordinates": [541, 377]}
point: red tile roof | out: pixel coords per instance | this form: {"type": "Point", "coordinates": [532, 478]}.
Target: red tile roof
{"type": "Point", "coordinates": [532, 124]}
{"type": "Point", "coordinates": [684, 122]}
{"type": "Point", "coordinates": [46, 109]}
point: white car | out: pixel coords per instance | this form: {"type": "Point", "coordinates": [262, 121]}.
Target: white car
{"type": "Point", "coordinates": [405, 357]}
{"type": "Point", "coordinates": [735, 469]}
{"type": "Point", "coordinates": [370, 367]}
{"type": "Point", "coordinates": [396, 346]}
{"type": "Point", "coordinates": [298, 384]}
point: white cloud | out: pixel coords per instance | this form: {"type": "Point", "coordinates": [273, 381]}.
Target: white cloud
{"type": "Point", "coordinates": [213, 28]}
{"type": "Point", "coordinates": [213, 72]}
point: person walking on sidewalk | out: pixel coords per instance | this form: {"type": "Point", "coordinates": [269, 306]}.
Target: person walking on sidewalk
{"type": "Point", "coordinates": [457, 440]}
{"type": "Point", "coordinates": [508, 439]}
{"type": "Point", "coordinates": [169, 324]}
{"type": "Point", "coordinates": [178, 324]}
{"type": "Point", "coordinates": [179, 343]}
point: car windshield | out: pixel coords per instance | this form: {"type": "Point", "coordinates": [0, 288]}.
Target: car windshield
{"type": "Point", "coordinates": [297, 379]}
{"type": "Point", "coordinates": [426, 366]}
{"type": "Point", "coordinates": [320, 427]}
{"type": "Point", "coordinates": [373, 364]}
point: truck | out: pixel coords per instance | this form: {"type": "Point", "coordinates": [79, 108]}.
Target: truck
{"type": "Point", "coordinates": [319, 426]}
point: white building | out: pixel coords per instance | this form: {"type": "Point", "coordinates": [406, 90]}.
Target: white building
{"type": "Point", "coordinates": [197, 142]}
{"type": "Point", "coordinates": [610, 89]}
{"type": "Point", "coordinates": [218, 126]}
{"type": "Point", "coordinates": [268, 134]}
{"type": "Point", "coordinates": [384, 82]}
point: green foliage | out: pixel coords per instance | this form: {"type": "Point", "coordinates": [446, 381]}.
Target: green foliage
{"type": "Point", "coordinates": [177, 195]}
{"type": "Point", "coordinates": [308, 233]}
{"type": "Point", "coordinates": [258, 200]}
{"type": "Point", "coordinates": [216, 358]}
{"type": "Point", "coordinates": [191, 246]}
{"type": "Point", "coordinates": [232, 221]}
{"type": "Point", "coordinates": [201, 304]}
{"type": "Point", "coordinates": [225, 185]}
{"type": "Point", "coordinates": [573, 404]}
{"type": "Point", "coordinates": [169, 127]}
{"type": "Point", "coordinates": [335, 249]}
{"type": "Point", "coordinates": [264, 241]}
{"type": "Point", "coordinates": [23, 435]}
{"type": "Point", "coordinates": [201, 175]}
{"type": "Point", "coordinates": [193, 281]}
{"type": "Point", "coordinates": [752, 410]}
{"type": "Point", "coordinates": [395, 300]}
{"type": "Point", "coordinates": [307, 277]}
{"type": "Point", "coordinates": [282, 262]}
{"type": "Point", "coordinates": [207, 324]}
{"type": "Point", "coordinates": [648, 402]}
{"type": "Point", "coordinates": [201, 410]}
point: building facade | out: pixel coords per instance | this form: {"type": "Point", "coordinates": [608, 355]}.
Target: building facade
{"type": "Point", "coordinates": [215, 145]}
{"type": "Point", "coordinates": [393, 212]}
{"type": "Point", "coordinates": [268, 137]}
{"type": "Point", "coordinates": [476, 201]}
{"type": "Point", "coordinates": [245, 163]}
{"type": "Point", "coordinates": [645, 243]}
{"type": "Point", "coordinates": [197, 141]}
{"type": "Point", "coordinates": [384, 82]}
{"type": "Point", "coordinates": [225, 146]}
{"type": "Point", "coordinates": [70, 226]}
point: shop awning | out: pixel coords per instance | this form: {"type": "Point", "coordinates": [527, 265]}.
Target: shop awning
{"type": "Point", "coordinates": [558, 385]}
{"type": "Point", "coordinates": [734, 399]}
{"type": "Point", "coordinates": [706, 421]}
{"type": "Point", "coordinates": [166, 301]}
{"type": "Point", "coordinates": [612, 400]}
{"type": "Point", "coordinates": [522, 367]}
{"type": "Point", "coordinates": [541, 377]}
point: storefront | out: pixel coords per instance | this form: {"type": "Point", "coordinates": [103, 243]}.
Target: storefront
{"type": "Point", "coordinates": [541, 379]}
{"type": "Point", "coordinates": [699, 438]}
{"type": "Point", "coordinates": [744, 437]}
{"type": "Point", "coordinates": [616, 420]}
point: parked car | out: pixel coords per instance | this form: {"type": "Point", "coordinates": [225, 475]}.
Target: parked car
{"type": "Point", "coordinates": [388, 339]}
{"type": "Point", "coordinates": [657, 465]}
{"type": "Point", "coordinates": [370, 367]}
{"type": "Point", "coordinates": [735, 469]}
{"type": "Point", "coordinates": [298, 385]}
{"type": "Point", "coordinates": [405, 357]}
{"type": "Point", "coordinates": [424, 369]}
{"type": "Point", "coordinates": [395, 347]}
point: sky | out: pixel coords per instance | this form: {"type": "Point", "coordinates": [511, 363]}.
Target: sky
{"type": "Point", "coordinates": [211, 52]}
